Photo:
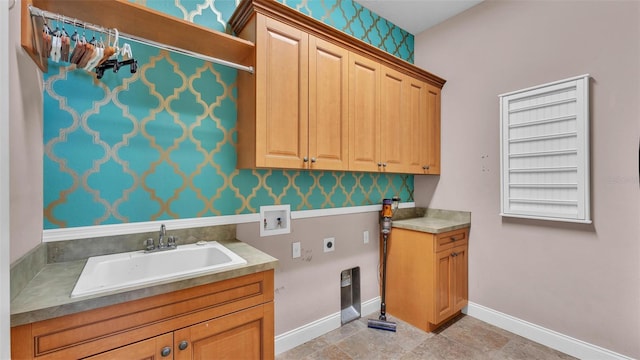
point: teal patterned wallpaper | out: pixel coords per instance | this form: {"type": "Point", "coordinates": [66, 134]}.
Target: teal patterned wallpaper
{"type": "Point", "coordinates": [356, 20]}
{"type": "Point", "coordinates": [160, 144]}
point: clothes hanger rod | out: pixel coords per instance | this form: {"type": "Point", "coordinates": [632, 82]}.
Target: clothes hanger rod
{"type": "Point", "coordinates": [248, 69]}
{"type": "Point", "coordinates": [55, 17]}
{"type": "Point", "coordinates": [63, 19]}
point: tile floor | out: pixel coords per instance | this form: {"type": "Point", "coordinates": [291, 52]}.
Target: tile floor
{"type": "Point", "coordinates": [463, 338]}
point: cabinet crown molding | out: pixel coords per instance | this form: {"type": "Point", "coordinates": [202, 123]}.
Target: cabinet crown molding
{"type": "Point", "coordinates": [275, 10]}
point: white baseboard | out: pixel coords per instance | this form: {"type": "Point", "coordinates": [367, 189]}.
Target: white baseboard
{"type": "Point", "coordinates": [544, 336]}
{"type": "Point", "coordinates": [310, 331]}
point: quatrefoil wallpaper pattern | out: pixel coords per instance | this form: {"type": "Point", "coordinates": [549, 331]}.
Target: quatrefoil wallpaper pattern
{"type": "Point", "coordinates": [160, 144]}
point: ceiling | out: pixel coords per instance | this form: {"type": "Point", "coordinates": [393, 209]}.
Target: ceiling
{"type": "Point", "coordinates": [415, 16]}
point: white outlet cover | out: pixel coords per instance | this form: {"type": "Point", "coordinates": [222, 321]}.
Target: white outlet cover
{"type": "Point", "coordinates": [329, 244]}
{"type": "Point", "coordinates": [295, 250]}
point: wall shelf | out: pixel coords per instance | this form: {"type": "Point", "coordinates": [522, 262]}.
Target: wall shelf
{"type": "Point", "coordinates": [141, 22]}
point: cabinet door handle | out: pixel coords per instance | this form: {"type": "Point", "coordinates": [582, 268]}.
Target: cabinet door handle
{"type": "Point", "coordinates": [454, 254]}
{"type": "Point", "coordinates": [166, 351]}
{"type": "Point", "coordinates": [425, 167]}
{"type": "Point", "coordinates": [183, 345]}
{"type": "Point", "coordinates": [313, 160]}
{"type": "Point", "coordinates": [379, 164]}
{"type": "Point", "coordinates": [305, 159]}
{"type": "Point", "coordinates": [384, 164]}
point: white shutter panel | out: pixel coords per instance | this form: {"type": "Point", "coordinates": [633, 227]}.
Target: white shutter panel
{"type": "Point", "coordinates": [545, 151]}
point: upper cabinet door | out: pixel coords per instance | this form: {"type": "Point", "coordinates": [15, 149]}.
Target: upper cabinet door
{"type": "Point", "coordinates": [418, 140]}
{"type": "Point", "coordinates": [281, 95]}
{"type": "Point", "coordinates": [364, 114]}
{"type": "Point", "coordinates": [431, 145]}
{"type": "Point", "coordinates": [328, 105]}
{"type": "Point", "coordinates": [394, 129]}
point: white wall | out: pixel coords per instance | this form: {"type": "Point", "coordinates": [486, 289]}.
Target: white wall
{"type": "Point", "coordinates": [580, 280]}
{"type": "Point", "coordinates": [308, 288]}
{"type": "Point", "coordinates": [4, 185]}
{"type": "Point", "coordinates": [25, 82]}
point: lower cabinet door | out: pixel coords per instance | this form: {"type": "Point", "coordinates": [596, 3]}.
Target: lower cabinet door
{"type": "Point", "coordinates": [245, 334]}
{"type": "Point", "coordinates": [451, 279]}
{"type": "Point", "coordinates": [443, 281]}
{"type": "Point", "coordinates": [159, 347]}
{"type": "Point", "coordinates": [460, 277]}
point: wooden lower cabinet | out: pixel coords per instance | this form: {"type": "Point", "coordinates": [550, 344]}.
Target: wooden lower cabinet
{"type": "Point", "coordinates": [230, 319]}
{"type": "Point", "coordinates": [427, 276]}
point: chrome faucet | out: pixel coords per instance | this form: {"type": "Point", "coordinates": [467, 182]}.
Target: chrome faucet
{"type": "Point", "coordinates": [163, 233]}
{"type": "Point", "coordinates": [169, 245]}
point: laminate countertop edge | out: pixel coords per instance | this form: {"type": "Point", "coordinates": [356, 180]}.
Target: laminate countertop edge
{"type": "Point", "coordinates": [436, 221]}
{"type": "Point", "coordinates": [48, 294]}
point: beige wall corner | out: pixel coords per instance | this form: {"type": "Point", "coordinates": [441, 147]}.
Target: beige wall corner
{"type": "Point", "coordinates": [25, 127]}
{"type": "Point", "coordinates": [578, 280]}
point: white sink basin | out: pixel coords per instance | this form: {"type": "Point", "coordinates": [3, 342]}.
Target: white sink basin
{"type": "Point", "coordinates": [124, 270]}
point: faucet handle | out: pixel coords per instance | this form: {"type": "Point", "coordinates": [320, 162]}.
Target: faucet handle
{"type": "Point", "coordinates": [149, 245]}
{"type": "Point", "coordinates": [171, 241]}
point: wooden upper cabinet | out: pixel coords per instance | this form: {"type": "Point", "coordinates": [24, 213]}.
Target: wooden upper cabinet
{"type": "Point", "coordinates": [296, 118]}
{"type": "Point", "coordinates": [409, 124]}
{"type": "Point", "coordinates": [322, 99]}
{"type": "Point", "coordinates": [281, 95]}
{"type": "Point", "coordinates": [364, 114]}
{"type": "Point", "coordinates": [328, 105]}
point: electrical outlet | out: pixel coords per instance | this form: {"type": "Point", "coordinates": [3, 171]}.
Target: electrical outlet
{"type": "Point", "coordinates": [329, 244]}
{"type": "Point", "coordinates": [295, 250]}
{"type": "Point", "coordinates": [365, 236]}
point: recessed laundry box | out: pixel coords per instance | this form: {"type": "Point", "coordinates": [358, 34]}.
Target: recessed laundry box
{"type": "Point", "coordinates": [350, 295]}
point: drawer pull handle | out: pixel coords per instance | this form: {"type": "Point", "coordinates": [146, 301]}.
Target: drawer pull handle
{"type": "Point", "coordinates": [453, 238]}
{"type": "Point", "coordinates": [183, 345]}
{"type": "Point", "coordinates": [166, 351]}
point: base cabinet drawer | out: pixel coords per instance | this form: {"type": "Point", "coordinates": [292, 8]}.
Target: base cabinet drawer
{"type": "Point", "coordinates": [159, 347]}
